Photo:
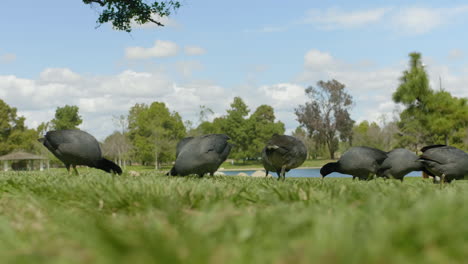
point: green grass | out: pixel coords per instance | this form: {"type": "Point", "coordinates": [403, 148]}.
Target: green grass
{"type": "Point", "coordinates": [51, 217]}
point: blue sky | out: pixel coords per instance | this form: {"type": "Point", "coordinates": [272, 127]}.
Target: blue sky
{"type": "Point", "coordinates": [267, 52]}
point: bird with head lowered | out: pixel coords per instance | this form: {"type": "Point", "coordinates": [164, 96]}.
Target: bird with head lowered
{"type": "Point", "coordinates": [359, 162]}
{"type": "Point", "coordinates": [75, 147]}
{"type": "Point", "coordinates": [200, 155]}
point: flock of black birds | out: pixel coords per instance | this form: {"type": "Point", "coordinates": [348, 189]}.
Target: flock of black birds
{"type": "Point", "coordinates": [443, 163]}
{"type": "Point", "coordinates": [204, 154]}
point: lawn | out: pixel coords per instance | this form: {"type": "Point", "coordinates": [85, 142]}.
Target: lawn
{"type": "Point", "coordinates": [51, 217]}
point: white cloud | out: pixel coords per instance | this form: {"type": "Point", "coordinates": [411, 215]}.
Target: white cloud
{"type": "Point", "coordinates": [315, 59]}
{"type": "Point", "coordinates": [420, 20]}
{"type": "Point", "coordinates": [372, 87]}
{"type": "Point", "coordinates": [335, 18]}
{"type": "Point", "coordinates": [455, 54]}
{"type": "Point", "coordinates": [102, 97]}
{"type": "Point", "coordinates": [160, 49]}
{"type": "Point", "coordinates": [186, 68]}
{"type": "Point", "coordinates": [407, 20]}
{"type": "Point", "coordinates": [7, 58]}
{"type": "Point", "coordinates": [452, 80]}
{"type": "Point", "coordinates": [283, 95]}
{"type": "Point", "coordinates": [64, 75]}
{"type": "Point", "coordinates": [194, 50]}
{"type": "Point", "coordinates": [267, 29]}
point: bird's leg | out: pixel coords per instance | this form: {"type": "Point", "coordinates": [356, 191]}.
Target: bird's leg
{"type": "Point", "coordinates": [283, 172]}
{"type": "Point", "coordinates": [442, 179]}
{"type": "Point", "coordinates": [354, 177]}
{"type": "Point", "coordinates": [76, 171]}
{"type": "Point", "coordinates": [68, 168]}
{"type": "Point", "coordinates": [211, 174]}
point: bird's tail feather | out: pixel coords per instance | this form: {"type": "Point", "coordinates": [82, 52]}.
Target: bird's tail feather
{"type": "Point", "coordinates": [108, 166]}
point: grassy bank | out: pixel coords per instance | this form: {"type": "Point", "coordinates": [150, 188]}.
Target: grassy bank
{"type": "Point", "coordinates": [93, 218]}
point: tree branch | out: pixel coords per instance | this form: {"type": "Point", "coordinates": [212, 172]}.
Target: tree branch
{"type": "Point", "coordinates": [154, 21]}
{"type": "Point", "coordinates": [100, 2]}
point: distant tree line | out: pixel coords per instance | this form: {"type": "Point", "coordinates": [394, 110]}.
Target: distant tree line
{"type": "Point", "coordinates": [149, 133]}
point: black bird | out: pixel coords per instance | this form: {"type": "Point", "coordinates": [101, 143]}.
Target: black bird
{"type": "Point", "coordinates": [200, 155]}
{"type": "Point", "coordinates": [75, 147]}
{"type": "Point", "coordinates": [447, 162]}
{"type": "Point", "coordinates": [283, 153]}
{"type": "Point", "coordinates": [399, 162]}
{"type": "Point", "coordinates": [360, 162]}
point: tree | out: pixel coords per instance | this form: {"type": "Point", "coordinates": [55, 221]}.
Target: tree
{"type": "Point", "coordinates": [413, 92]}
{"type": "Point", "coordinates": [368, 134]}
{"type": "Point", "coordinates": [326, 116]}
{"type": "Point", "coordinates": [43, 128]}
{"type": "Point", "coordinates": [445, 116]}
{"type": "Point", "coordinates": [261, 127]}
{"type": "Point", "coordinates": [154, 131]}
{"type": "Point", "coordinates": [14, 135]}
{"type": "Point", "coordinates": [248, 134]}
{"type": "Point", "coordinates": [204, 114]}
{"type": "Point", "coordinates": [235, 125]}
{"type": "Point", "coordinates": [414, 84]}
{"type": "Point", "coordinates": [66, 117]}
{"type": "Point", "coordinates": [204, 126]}
{"type": "Point", "coordinates": [388, 131]}
{"type": "Point", "coordinates": [430, 117]}
{"type": "Point", "coordinates": [117, 146]}
{"type": "Point", "coordinates": [121, 13]}
{"type": "Point", "coordinates": [313, 148]}
{"type": "Point", "coordinates": [121, 122]}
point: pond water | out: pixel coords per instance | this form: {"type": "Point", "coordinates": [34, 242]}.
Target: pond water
{"type": "Point", "coordinates": [307, 173]}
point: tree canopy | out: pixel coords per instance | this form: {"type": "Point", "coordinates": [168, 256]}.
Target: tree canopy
{"type": "Point", "coordinates": [371, 134]}
{"type": "Point", "coordinates": [14, 135]}
{"type": "Point", "coordinates": [326, 117]}
{"type": "Point", "coordinates": [430, 117]}
{"type": "Point", "coordinates": [248, 134]}
{"type": "Point", "coordinates": [154, 132]}
{"type": "Point", "coordinates": [122, 13]}
{"type": "Point", "coordinates": [117, 146]}
{"type": "Point", "coordinates": [66, 117]}
{"type": "Point", "coordinates": [414, 86]}
{"type": "Point", "coordinates": [445, 116]}
{"type": "Point", "coordinates": [261, 128]}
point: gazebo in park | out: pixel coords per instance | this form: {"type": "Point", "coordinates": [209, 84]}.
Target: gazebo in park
{"type": "Point", "coordinates": [19, 156]}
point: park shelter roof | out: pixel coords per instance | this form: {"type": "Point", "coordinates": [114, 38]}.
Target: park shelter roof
{"type": "Point", "coordinates": [22, 156]}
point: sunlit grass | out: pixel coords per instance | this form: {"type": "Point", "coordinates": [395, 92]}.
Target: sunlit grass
{"type": "Point", "coordinates": [51, 217]}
